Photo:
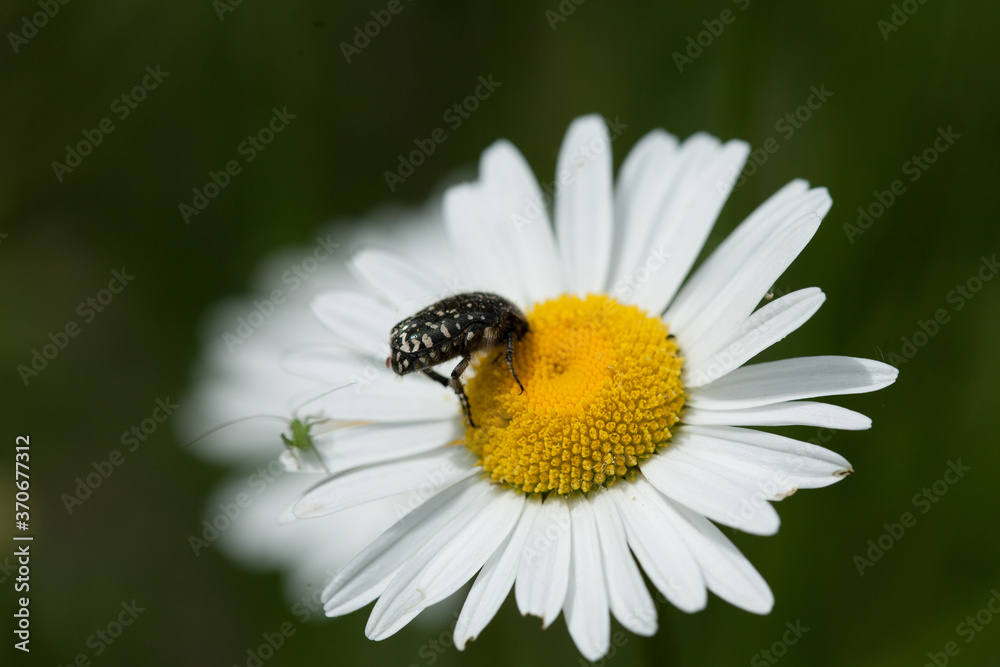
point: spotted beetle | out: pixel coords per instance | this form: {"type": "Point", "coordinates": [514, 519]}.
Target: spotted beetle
{"type": "Point", "coordinates": [458, 326]}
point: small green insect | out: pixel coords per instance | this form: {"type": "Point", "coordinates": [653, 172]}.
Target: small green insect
{"type": "Point", "coordinates": [299, 437]}
{"type": "Point", "coordinates": [302, 437]}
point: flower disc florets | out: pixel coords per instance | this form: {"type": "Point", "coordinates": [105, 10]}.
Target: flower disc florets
{"type": "Point", "coordinates": [602, 389]}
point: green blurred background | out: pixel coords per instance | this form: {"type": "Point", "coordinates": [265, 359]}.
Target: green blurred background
{"type": "Point", "coordinates": [230, 64]}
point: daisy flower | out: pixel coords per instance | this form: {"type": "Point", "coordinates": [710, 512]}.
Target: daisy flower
{"type": "Point", "coordinates": [630, 441]}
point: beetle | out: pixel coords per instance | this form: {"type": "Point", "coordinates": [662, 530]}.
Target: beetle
{"type": "Point", "coordinates": [457, 326]}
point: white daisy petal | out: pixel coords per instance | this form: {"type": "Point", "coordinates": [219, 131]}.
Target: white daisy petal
{"type": "Point", "coordinates": [427, 473]}
{"type": "Point", "coordinates": [442, 567]}
{"type": "Point", "coordinates": [406, 284]}
{"type": "Point", "coordinates": [333, 365]}
{"type": "Point", "coordinates": [792, 379]}
{"type": "Point", "coordinates": [389, 399]}
{"type": "Point", "coordinates": [360, 319]}
{"type": "Point", "coordinates": [658, 546]}
{"type": "Point", "coordinates": [790, 203]}
{"type": "Point", "coordinates": [721, 498]}
{"type": "Point", "coordinates": [367, 389]}
{"type": "Point", "coordinates": [727, 572]}
{"type": "Point", "coordinates": [645, 177]}
{"type": "Point", "coordinates": [647, 196]}
{"type": "Point", "coordinates": [686, 222]}
{"type": "Point", "coordinates": [486, 256]}
{"type": "Point", "coordinates": [495, 579]}
{"type": "Point", "coordinates": [583, 204]}
{"type": "Point", "coordinates": [521, 213]}
{"type": "Point", "coordinates": [758, 332]}
{"type": "Point", "coordinates": [357, 446]}
{"type": "Point", "coordinates": [543, 571]}
{"type": "Point", "coordinates": [800, 413]}
{"type": "Point", "coordinates": [721, 315]}
{"type": "Point", "coordinates": [628, 597]}
{"type": "Point", "coordinates": [801, 460]}
{"type": "Point", "coordinates": [586, 604]}
{"type": "Point", "coordinates": [367, 575]}
{"type": "Point", "coordinates": [774, 475]}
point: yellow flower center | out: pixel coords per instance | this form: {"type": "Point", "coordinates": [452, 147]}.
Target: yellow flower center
{"type": "Point", "coordinates": [602, 389]}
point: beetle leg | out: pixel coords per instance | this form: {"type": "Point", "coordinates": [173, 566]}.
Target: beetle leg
{"type": "Point", "coordinates": [510, 359]}
{"type": "Point", "coordinates": [437, 377]}
{"type": "Point", "coordinates": [456, 384]}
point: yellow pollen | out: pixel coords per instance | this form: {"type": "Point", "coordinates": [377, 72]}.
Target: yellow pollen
{"type": "Point", "coordinates": [602, 389]}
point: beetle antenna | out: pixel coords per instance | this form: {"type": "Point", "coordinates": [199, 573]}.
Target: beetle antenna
{"type": "Point", "coordinates": [306, 402]}
{"type": "Point", "coordinates": [283, 420]}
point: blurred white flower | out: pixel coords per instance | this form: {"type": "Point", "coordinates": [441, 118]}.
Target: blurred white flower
{"type": "Point", "coordinates": [240, 374]}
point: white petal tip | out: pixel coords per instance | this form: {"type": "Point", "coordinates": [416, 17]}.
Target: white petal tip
{"type": "Point", "coordinates": [762, 528]}
{"type": "Point", "coordinates": [593, 122]}
{"type": "Point", "coordinates": [333, 611]}
{"type": "Point", "coordinates": [789, 492]}
{"type": "Point", "coordinates": [691, 607]}
{"type": "Point", "coordinates": [288, 516]}
{"type": "Point", "coordinates": [763, 609]}
{"type": "Point", "coordinates": [546, 622]}
{"type": "Point", "coordinates": [647, 632]}
{"type": "Point", "coordinates": [308, 510]}
{"type": "Point", "coordinates": [593, 653]}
